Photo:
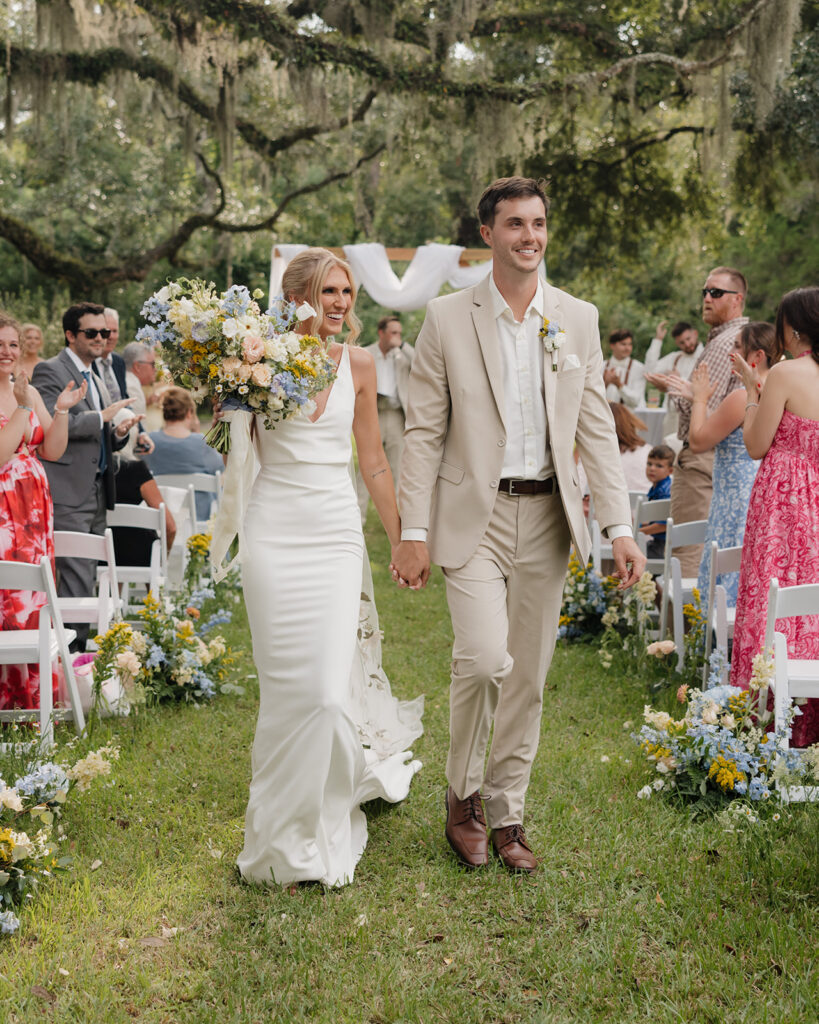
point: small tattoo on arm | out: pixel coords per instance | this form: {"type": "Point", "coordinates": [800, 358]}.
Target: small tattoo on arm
{"type": "Point", "coordinates": [380, 471]}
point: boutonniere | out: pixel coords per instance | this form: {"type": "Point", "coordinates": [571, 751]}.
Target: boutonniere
{"type": "Point", "coordinates": [553, 337]}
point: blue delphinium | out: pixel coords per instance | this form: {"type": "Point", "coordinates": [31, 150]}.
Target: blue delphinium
{"type": "Point", "coordinates": [43, 783]}
{"type": "Point", "coordinates": [236, 300]}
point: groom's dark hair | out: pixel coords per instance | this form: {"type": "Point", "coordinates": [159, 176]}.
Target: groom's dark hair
{"type": "Point", "coordinates": [508, 188]}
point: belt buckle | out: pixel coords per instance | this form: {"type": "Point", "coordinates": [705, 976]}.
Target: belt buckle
{"type": "Point", "coordinates": [513, 491]}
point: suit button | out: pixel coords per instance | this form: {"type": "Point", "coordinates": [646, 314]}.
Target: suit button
{"type": "Point", "coordinates": [493, 484]}
{"type": "Point", "coordinates": [501, 443]}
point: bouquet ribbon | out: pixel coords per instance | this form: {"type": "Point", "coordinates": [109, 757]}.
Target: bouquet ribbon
{"type": "Point", "coordinates": [240, 473]}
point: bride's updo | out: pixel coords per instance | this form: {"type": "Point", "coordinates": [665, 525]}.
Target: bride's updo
{"type": "Point", "coordinates": [304, 279]}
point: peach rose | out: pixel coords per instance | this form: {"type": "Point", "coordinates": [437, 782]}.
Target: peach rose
{"type": "Point", "coordinates": [231, 365]}
{"type": "Point", "coordinates": [261, 375]}
{"type": "Point", "coordinates": [244, 372]}
{"type": "Point", "coordinates": [253, 348]}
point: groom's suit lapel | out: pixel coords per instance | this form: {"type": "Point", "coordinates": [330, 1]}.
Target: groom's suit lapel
{"type": "Point", "coordinates": [84, 404]}
{"type": "Point", "coordinates": [483, 317]}
{"type": "Point", "coordinates": [552, 310]}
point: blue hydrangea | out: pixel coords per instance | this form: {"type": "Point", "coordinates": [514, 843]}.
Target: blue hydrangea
{"type": "Point", "coordinates": [282, 314]}
{"type": "Point", "coordinates": [43, 783]}
{"type": "Point", "coordinates": [156, 657]}
{"type": "Point", "coordinates": [200, 330]}
{"type": "Point", "coordinates": [204, 683]}
{"type": "Point", "coordinates": [198, 597]}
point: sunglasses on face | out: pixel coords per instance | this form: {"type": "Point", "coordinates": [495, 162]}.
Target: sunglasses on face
{"type": "Point", "coordinates": [92, 332]}
{"type": "Point", "coordinates": [717, 293]}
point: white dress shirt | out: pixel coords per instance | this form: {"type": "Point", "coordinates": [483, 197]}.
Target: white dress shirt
{"type": "Point", "coordinates": [94, 394]}
{"type": "Point", "coordinates": [681, 363]}
{"type": "Point", "coordinates": [385, 372]}
{"type": "Point", "coordinates": [632, 373]}
{"type": "Point", "coordinates": [527, 455]}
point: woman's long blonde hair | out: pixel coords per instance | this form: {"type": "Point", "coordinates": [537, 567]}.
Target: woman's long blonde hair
{"type": "Point", "coordinates": [304, 279]}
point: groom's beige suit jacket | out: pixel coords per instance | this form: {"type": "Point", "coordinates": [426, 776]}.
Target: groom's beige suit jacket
{"type": "Point", "coordinates": [455, 434]}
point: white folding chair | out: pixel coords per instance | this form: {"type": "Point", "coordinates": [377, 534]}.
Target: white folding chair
{"type": "Point", "coordinates": [650, 512]}
{"type": "Point", "coordinates": [42, 646]}
{"type": "Point", "coordinates": [681, 588]}
{"type": "Point", "coordinates": [793, 677]}
{"type": "Point", "coordinates": [154, 575]}
{"type": "Point", "coordinates": [101, 608]}
{"type": "Point", "coordinates": [182, 504]}
{"type": "Point", "coordinates": [719, 616]}
{"type": "Point", "coordinates": [211, 483]}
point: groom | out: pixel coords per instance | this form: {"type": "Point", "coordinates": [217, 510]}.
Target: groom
{"type": "Point", "coordinates": [489, 490]}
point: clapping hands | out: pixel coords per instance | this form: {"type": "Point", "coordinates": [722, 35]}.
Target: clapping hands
{"type": "Point", "coordinates": [747, 373]}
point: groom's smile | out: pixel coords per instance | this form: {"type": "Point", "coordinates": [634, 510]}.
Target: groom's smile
{"type": "Point", "coordinates": [518, 233]}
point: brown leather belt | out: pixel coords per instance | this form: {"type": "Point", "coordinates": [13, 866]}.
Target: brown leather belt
{"type": "Point", "coordinates": [515, 487]}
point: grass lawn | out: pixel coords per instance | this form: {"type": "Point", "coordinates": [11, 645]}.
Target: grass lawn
{"type": "Point", "coordinates": [638, 913]}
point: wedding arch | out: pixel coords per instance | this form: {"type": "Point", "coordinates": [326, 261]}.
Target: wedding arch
{"type": "Point", "coordinates": [430, 267]}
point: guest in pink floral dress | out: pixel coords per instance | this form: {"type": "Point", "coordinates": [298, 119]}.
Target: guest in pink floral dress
{"type": "Point", "coordinates": [26, 517]}
{"type": "Point", "coordinates": [782, 531]}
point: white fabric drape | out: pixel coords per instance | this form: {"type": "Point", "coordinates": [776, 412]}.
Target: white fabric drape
{"type": "Point", "coordinates": [431, 267]}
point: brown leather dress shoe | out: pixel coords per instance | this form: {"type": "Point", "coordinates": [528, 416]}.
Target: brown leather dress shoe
{"type": "Point", "coordinates": [510, 845]}
{"type": "Point", "coordinates": [466, 829]}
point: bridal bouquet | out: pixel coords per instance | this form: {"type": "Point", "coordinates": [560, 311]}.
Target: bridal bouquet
{"type": "Point", "coordinates": [223, 346]}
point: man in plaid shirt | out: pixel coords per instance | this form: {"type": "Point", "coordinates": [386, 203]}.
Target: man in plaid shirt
{"type": "Point", "coordinates": [723, 300]}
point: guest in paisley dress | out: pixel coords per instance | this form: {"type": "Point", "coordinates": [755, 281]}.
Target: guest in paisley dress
{"type": "Point", "coordinates": [26, 517]}
{"type": "Point", "coordinates": [734, 469]}
{"type": "Point", "coordinates": [782, 531]}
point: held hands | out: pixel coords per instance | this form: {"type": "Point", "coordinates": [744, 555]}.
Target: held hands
{"type": "Point", "coordinates": [629, 560]}
{"type": "Point", "coordinates": [409, 564]}
{"type": "Point", "coordinates": [69, 396]}
{"type": "Point", "coordinates": [748, 374]}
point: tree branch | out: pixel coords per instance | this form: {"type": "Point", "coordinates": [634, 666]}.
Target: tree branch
{"type": "Point", "coordinates": [93, 67]}
{"type": "Point", "coordinates": [302, 190]}
{"type": "Point", "coordinates": [252, 21]}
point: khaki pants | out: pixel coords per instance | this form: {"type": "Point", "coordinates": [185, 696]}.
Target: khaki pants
{"type": "Point", "coordinates": [505, 605]}
{"type": "Point", "coordinates": [691, 488]}
{"type": "Point", "coordinates": [391, 422]}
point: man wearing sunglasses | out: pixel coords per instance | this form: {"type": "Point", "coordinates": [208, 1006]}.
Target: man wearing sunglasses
{"type": "Point", "coordinates": [723, 301]}
{"type": "Point", "coordinates": [82, 481]}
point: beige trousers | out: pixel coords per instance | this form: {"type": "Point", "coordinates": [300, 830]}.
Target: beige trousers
{"type": "Point", "coordinates": [391, 422]}
{"type": "Point", "coordinates": [691, 489]}
{"type": "Point", "coordinates": [505, 605]}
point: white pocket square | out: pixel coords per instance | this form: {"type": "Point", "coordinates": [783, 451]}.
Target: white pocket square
{"type": "Point", "coordinates": [571, 362]}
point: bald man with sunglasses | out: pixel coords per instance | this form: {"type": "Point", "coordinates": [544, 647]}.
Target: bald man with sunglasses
{"type": "Point", "coordinates": [723, 302]}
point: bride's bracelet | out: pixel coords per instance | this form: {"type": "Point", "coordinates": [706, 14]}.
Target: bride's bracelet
{"type": "Point", "coordinates": [751, 405]}
{"type": "Point", "coordinates": [61, 412]}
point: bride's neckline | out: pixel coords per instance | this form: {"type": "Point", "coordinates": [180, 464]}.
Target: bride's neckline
{"type": "Point", "coordinates": [331, 389]}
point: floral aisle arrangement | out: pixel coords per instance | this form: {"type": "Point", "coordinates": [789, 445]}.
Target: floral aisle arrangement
{"type": "Point", "coordinates": [586, 599]}
{"type": "Point", "coordinates": [720, 750]}
{"type": "Point", "coordinates": [223, 346]}
{"type": "Point", "coordinates": [29, 843]}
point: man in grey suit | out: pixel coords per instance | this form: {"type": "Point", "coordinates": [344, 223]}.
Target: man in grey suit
{"type": "Point", "coordinates": [82, 481]}
{"type": "Point", "coordinates": [393, 360]}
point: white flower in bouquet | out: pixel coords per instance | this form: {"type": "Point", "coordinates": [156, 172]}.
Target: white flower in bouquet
{"type": "Point", "coordinates": [10, 798]}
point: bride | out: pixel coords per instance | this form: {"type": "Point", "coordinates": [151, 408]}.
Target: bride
{"type": "Point", "coordinates": [322, 694]}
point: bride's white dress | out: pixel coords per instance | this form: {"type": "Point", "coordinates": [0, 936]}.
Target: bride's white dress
{"type": "Point", "coordinates": [330, 734]}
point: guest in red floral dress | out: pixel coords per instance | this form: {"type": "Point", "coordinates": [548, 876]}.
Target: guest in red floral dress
{"type": "Point", "coordinates": [26, 517]}
{"type": "Point", "coordinates": [782, 531]}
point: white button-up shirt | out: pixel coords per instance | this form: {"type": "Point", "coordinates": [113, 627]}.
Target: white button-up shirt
{"type": "Point", "coordinates": [527, 455]}
{"type": "Point", "coordinates": [94, 395]}
{"type": "Point", "coordinates": [632, 373]}
{"type": "Point", "coordinates": [385, 372]}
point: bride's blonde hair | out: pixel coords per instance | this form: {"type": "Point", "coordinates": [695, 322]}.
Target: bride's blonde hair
{"type": "Point", "coordinates": [305, 277]}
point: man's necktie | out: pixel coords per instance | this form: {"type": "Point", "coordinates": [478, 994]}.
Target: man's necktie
{"type": "Point", "coordinates": [110, 380]}
{"type": "Point", "coordinates": [90, 396]}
